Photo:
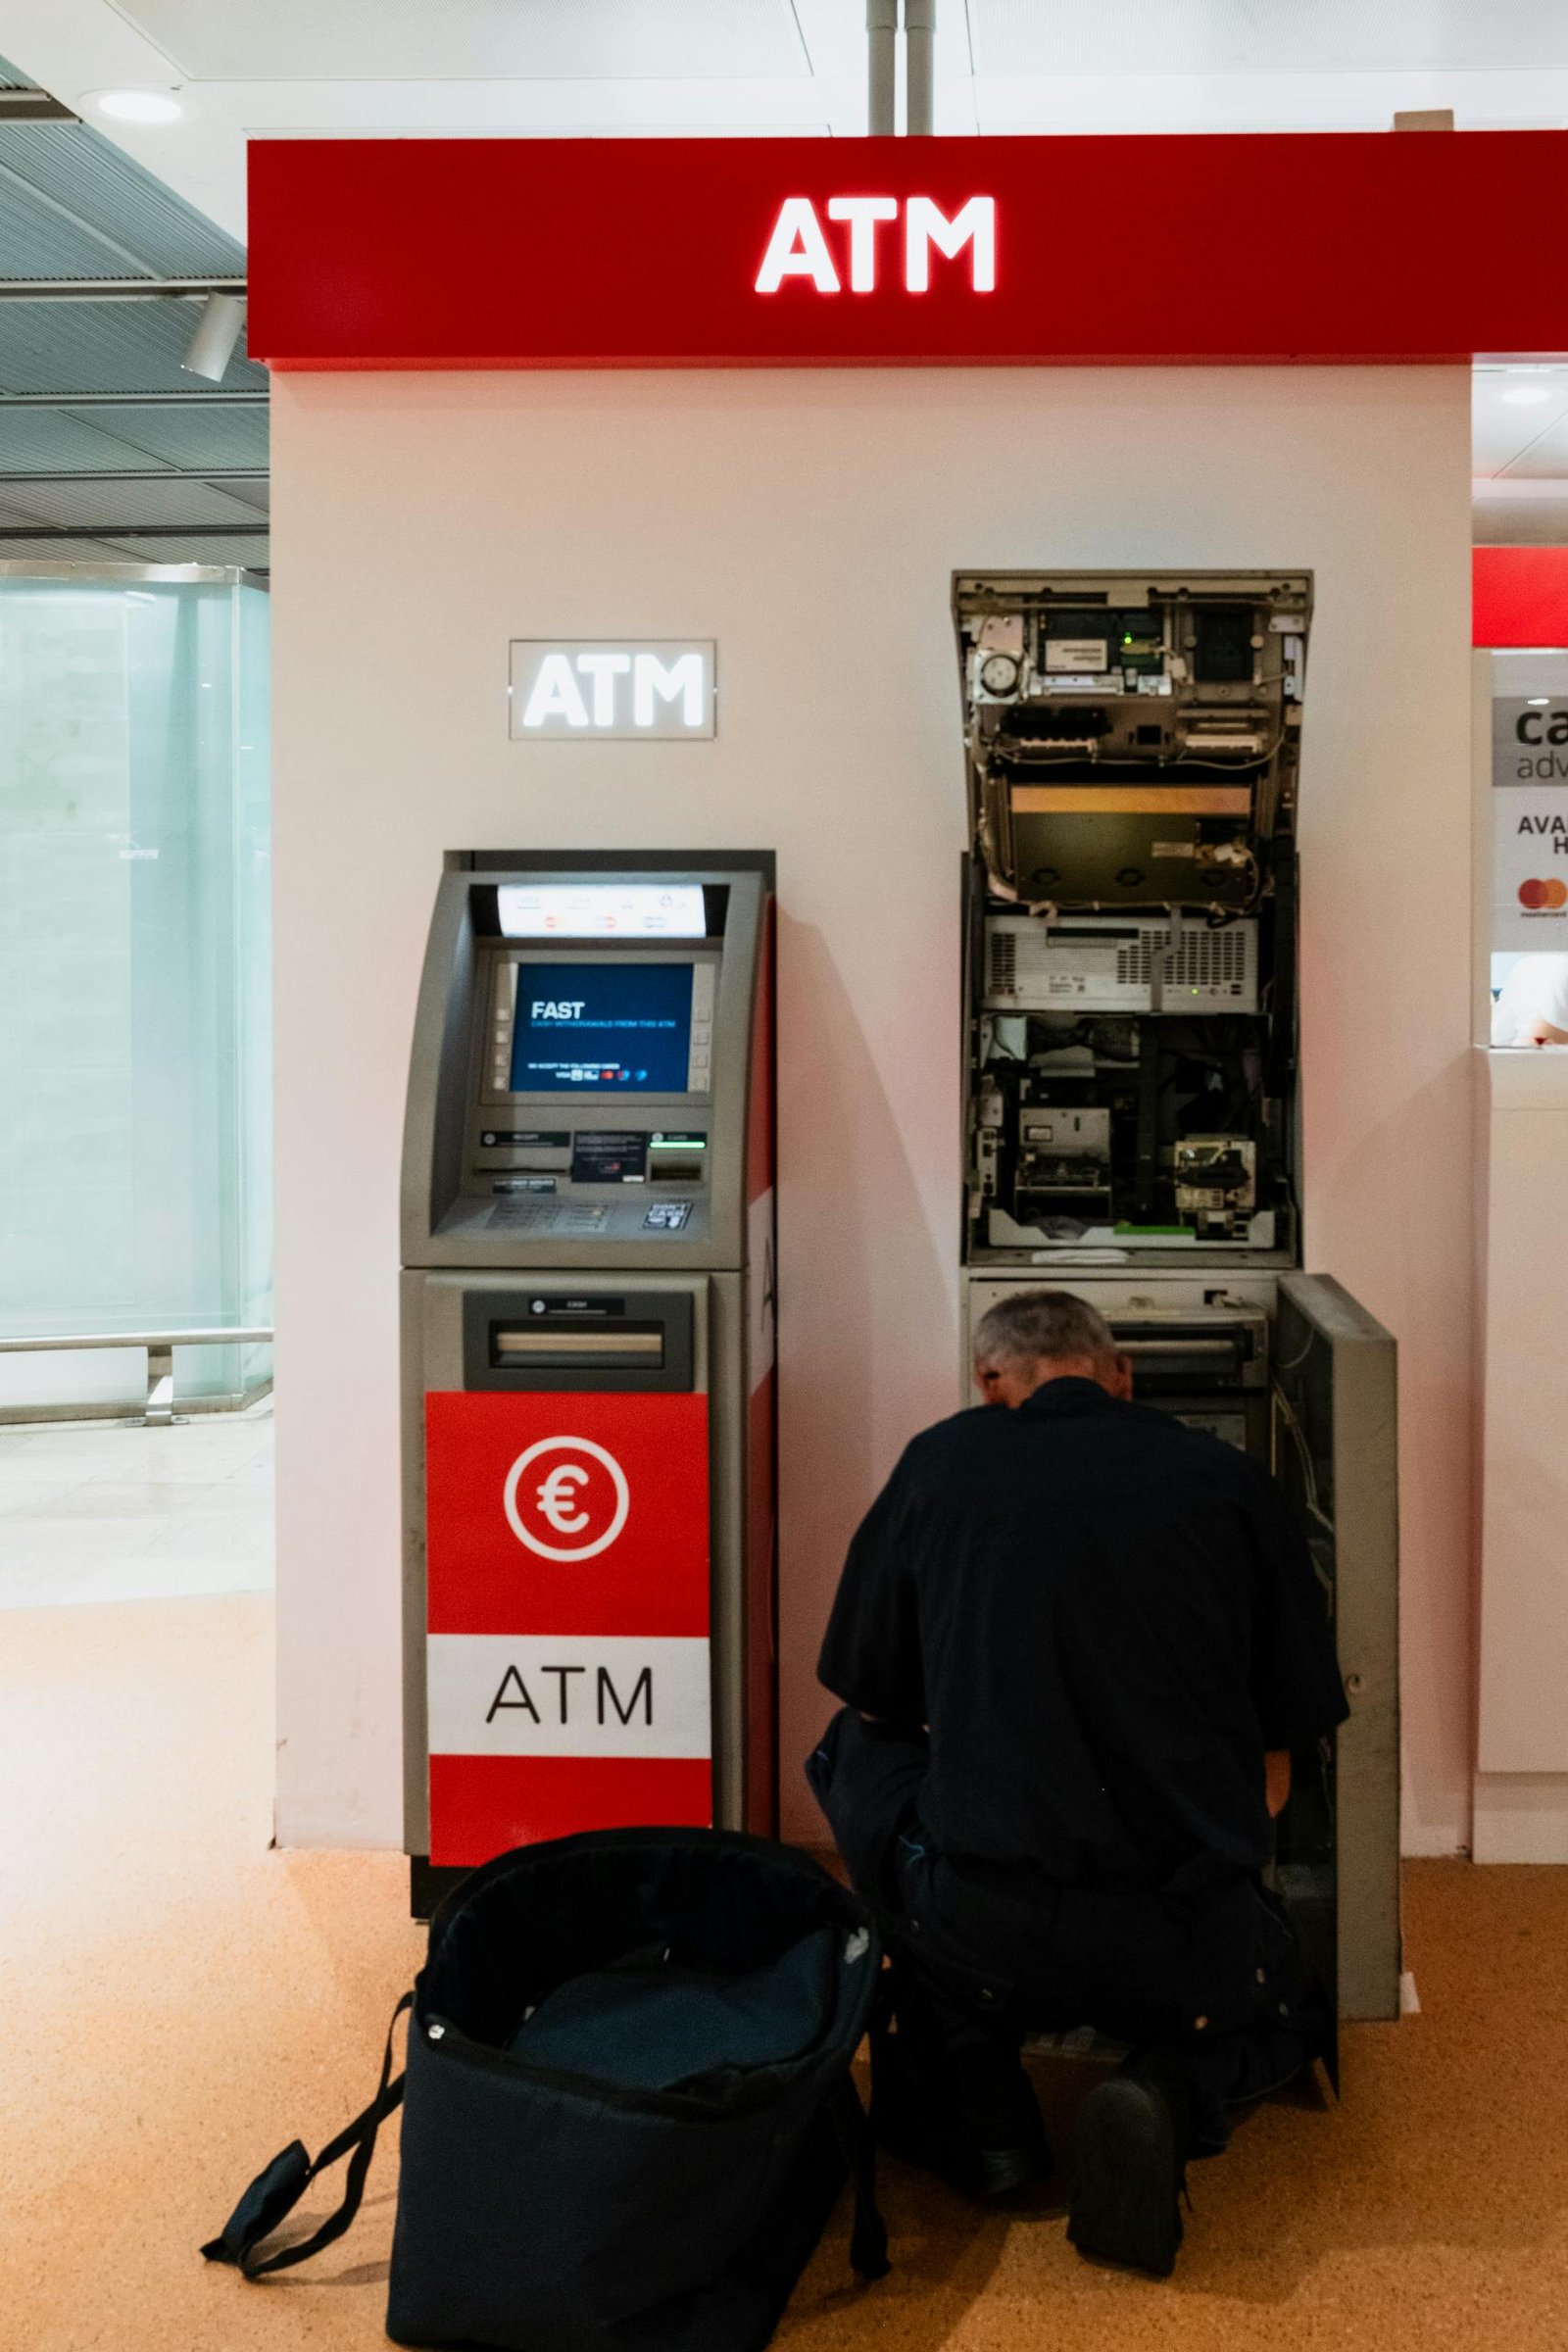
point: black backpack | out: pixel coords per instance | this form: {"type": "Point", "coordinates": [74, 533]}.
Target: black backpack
{"type": "Point", "coordinates": [627, 2104]}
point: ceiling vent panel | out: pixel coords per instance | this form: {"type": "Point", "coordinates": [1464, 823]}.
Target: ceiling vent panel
{"type": "Point", "coordinates": [246, 549]}
{"type": "Point", "coordinates": [52, 441]}
{"type": "Point", "coordinates": [37, 240]}
{"type": "Point", "coordinates": [60, 550]}
{"type": "Point", "coordinates": [138, 221]}
{"type": "Point", "coordinates": [161, 499]}
{"type": "Point", "coordinates": [190, 436]}
{"type": "Point", "coordinates": [104, 347]}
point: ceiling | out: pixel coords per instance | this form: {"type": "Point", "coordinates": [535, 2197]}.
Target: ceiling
{"type": "Point", "coordinates": [624, 66]}
{"type": "Point", "coordinates": [108, 448]}
{"type": "Point", "coordinates": [1519, 436]}
{"type": "Point", "coordinates": [72, 202]}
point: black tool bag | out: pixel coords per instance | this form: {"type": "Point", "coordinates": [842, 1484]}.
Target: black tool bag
{"type": "Point", "coordinates": [627, 2105]}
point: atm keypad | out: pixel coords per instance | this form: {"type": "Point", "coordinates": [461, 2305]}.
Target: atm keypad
{"type": "Point", "coordinates": [563, 1217]}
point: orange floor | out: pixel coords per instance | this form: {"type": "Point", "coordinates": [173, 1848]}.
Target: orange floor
{"type": "Point", "coordinates": [178, 2001]}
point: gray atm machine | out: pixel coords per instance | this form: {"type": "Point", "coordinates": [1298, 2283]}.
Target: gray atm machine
{"type": "Point", "coordinates": [1131, 1103]}
{"type": "Point", "coordinates": [588, 1328]}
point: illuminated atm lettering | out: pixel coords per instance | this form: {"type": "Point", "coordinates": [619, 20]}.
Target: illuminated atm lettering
{"type": "Point", "coordinates": [799, 246]}
{"type": "Point", "coordinates": [557, 692]}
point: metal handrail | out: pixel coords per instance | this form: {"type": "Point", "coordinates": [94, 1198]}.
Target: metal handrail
{"type": "Point", "coordinates": [226, 1338]}
{"type": "Point", "coordinates": [160, 1347]}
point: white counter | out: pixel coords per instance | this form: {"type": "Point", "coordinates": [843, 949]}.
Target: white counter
{"type": "Point", "coordinates": [1521, 1793]}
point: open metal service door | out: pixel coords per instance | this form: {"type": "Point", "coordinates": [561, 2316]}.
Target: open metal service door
{"type": "Point", "coordinates": [1335, 1455]}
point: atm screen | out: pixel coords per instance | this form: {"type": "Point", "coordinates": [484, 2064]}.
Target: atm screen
{"type": "Point", "coordinates": [585, 1028]}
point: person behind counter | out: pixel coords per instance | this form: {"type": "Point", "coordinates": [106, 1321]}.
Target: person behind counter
{"type": "Point", "coordinates": [1077, 1642]}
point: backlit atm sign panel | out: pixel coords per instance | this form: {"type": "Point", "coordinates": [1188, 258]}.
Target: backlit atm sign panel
{"type": "Point", "coordinates": [620, 690]}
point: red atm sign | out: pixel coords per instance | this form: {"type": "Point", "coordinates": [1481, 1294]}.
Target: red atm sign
{"type": "Point", "coordinates": [568, 1668]}
{"type": "Point", "coordinates": [754, 253]}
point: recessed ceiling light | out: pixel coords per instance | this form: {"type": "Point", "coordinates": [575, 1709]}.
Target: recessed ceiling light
{"type": "Point", "coordinates": [1526, 396]}
{"type": "Point", "coordinates": [138, 106]}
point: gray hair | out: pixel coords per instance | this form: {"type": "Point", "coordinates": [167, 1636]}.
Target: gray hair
{"type": "Point", "coordinates": [1042, 1327]}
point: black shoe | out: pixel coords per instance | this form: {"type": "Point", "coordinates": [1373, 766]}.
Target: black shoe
{"type": "Point", "coordinates": [1126, 2201]}
{"type": "Point", "coordinates": [982, 2135]}
{"type": "Point", "coordinates": [1000, 2144]}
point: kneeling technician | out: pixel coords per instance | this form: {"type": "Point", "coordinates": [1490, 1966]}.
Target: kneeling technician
{"type": "Point", "coordinates": [1077, 1641]}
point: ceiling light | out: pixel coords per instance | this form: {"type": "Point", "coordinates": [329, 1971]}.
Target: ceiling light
{"type": "Point", "coordinates": [138, 106]}
{"type": "Point", "coordinates": [1526, 396]}
{"type": "Point", "coordinates": [1538, 702]}
{"type": "Point", "coordinates": [212, 346]}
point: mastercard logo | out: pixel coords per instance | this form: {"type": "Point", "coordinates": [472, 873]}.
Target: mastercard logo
{"type": "Point", "coordinates": [1543, 898]}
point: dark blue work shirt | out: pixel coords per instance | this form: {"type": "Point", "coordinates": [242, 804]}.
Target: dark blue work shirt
{"type": "Point", "coordinates": [1106, 1618]}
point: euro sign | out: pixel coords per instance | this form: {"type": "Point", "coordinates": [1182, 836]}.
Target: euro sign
{"type": "Point", "coordinates": [555, 1501]}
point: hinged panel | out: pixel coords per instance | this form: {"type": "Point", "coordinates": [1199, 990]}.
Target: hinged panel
{"type": "Point", "coordinates": [1335, 1457]}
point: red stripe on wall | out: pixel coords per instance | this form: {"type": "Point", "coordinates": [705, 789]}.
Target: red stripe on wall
{"type": "Point", "coordinates": [1520, 595]}
{"type": "Point", "coordinates": [761, 1609]}
{"type": "Point", "coordinates": [480, 1805]}
{"type": "Point", "coordinates": [760, 1110]}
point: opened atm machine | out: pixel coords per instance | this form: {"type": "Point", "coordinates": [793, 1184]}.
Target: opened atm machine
{"type": "Point", "coordinates": [587, 1318]}
{"type": "Point", "coordinates": [1131, 1103]}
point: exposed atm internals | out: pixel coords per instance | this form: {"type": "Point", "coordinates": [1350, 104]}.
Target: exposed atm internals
{"type": "Point", "coordinates": [1132, 743]}
{"type": "Point", "coordinates": [588, 1297]}
{"type": "Point", "coordinates": [1133, 748]}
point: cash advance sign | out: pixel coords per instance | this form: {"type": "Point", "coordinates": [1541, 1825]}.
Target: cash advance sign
{"type": "Point", "coordinates": [1530, 821]}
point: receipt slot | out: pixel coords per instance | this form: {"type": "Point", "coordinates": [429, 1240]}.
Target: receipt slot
{"type": "Point", "coordinates": [588, 1346]}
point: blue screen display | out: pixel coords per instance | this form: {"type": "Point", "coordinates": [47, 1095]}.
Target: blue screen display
{"type": "Point", "coordinates": [587, 1028]}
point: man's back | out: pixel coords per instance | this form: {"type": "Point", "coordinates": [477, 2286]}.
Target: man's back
{"type": "Point", "coordinates": [1106, 1619]}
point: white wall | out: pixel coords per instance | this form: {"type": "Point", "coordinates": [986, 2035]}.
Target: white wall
{"type": "Point", "coordinates": [810, 522]}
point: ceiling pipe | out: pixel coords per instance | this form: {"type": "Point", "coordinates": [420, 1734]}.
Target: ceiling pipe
{"type": "Point", "coordinates": [882, 38]}
{"type": "Point", "coordinates": [183, 399]}
{"type": "Point", "coordinates": [919, 66]}
{"type": "Point", "coordinates": [142, 473]}
{"type": "Point", "coordinates": [116, 289]}
{"type": "Point", "coordinates": [242, 529]}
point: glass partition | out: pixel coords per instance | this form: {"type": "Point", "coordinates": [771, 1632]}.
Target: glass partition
{"type": "Point", "coordinates": [134, 974]}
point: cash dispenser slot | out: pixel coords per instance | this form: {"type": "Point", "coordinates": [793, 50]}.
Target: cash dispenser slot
{"type": "Point", "coordinates": [566, 1339]}
{"type": "Point", "coordinates": [1173, 1358]}
{"type": "Point", "coordinates": [1211, 1371]}
{"type": "Point", "coordinates": [539, 1345]}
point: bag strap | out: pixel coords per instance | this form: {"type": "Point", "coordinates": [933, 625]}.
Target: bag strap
{"type": "Point", "coordinates": [274, 2193]}
{"type": "Point", "coordinates": [868, 2238]}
